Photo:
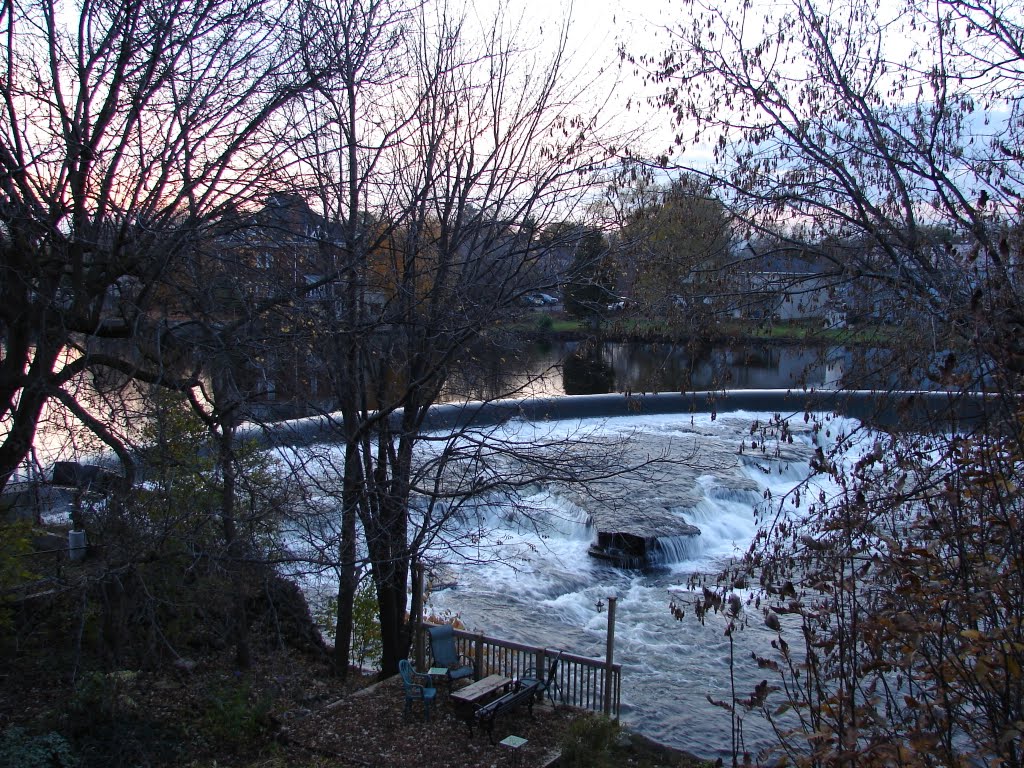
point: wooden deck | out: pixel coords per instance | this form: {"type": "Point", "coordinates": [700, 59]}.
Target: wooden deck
{"type": "Point", "coordinates": [583, 682]}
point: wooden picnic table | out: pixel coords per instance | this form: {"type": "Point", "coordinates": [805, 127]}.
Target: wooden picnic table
{"type": "Point", "coordinates": [481, 689]}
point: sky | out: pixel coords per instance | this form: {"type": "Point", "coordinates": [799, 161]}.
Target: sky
{"type": "Point", "coordinates": [597, 30]}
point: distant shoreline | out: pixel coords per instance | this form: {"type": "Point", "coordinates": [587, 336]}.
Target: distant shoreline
{"type": "Point", "coordinates": [639, 330]}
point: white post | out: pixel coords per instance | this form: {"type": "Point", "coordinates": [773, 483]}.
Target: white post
{"type": "Point", "coordinates": [76, 545]}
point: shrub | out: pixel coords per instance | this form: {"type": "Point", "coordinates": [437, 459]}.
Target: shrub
{"type": "Point", "coordinates": [184, 565]}
{"type": "Point", "coordinates": [366, 642]}
{"type": "Point", "coordinates": [21, 749]}
{"type": "Point", "coordinates": [235, 715]}
{"type": "Point", "coordinates": [366, 648]}
{"type": "Point", "coordinates": [15, 543]}
{"type": "Point", "coordinates": [589, 743]}
{"type": "Point", "coordinates": [111, 730]}
{"type": "Point", "coordinates": [101, 698]}
{"type": "Point", "coordinates": [894, 602]}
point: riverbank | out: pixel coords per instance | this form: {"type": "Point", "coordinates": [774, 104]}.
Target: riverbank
{"type": "Point", "coordinates": [80, 691]}
{"type": "Point", "coordinates": [558, 326]}
{"type": "Point", "coordinates": [288, 710]}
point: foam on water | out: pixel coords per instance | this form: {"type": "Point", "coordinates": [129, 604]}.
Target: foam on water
{"type": "Point", "coordinates": [549, 597]}
{"type": "Point", "coordinates": [522, 571]}
{"type": "Point", "coordinates": [726, 528]}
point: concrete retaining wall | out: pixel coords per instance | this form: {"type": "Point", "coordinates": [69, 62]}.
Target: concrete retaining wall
{"type": "Point", "coordinates": [904, 411]}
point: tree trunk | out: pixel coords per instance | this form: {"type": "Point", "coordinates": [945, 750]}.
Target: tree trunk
{"type": "Point", "coordinates": [347, 581]}
{"type": "Point", "coordinates": [21, 430]}
{"type": "Point", "coordinates": [392, 595]}
{"type": "Point", "coordinates": [233, 548]}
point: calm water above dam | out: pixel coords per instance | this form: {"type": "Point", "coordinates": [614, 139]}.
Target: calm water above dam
{"type": "Point", "coordinates": [534, 368]}
{"type": "Point", "coordinates": [595, 367]}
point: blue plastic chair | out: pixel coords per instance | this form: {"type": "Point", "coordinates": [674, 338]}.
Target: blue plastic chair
{"type": "Point", "coordinates": [415, 691]}
{"type": "Point", "coordinates": [442, 648]}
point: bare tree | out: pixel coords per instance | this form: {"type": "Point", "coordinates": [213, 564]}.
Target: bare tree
{"type": "Point", "coordinates": [862, 131]}
{"type": "Point", "coordinates": [887, 141]}
{"type": "Point", "coordinates": [435, 156]}
{"type": "Point", "coordinates": [126, 129]}
{"type": "Point", "coordinates": [346, 131]}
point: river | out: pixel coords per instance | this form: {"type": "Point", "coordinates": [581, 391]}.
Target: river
{"type": "Point", "coordinates": [547, 589]}
{"type": "Point", "coordinates": [537, 584]}
{"type": "Point", "coordinates": [542, 588]}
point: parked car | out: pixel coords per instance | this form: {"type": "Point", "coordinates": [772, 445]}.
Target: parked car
{"type": "Point", "coordinates": [539, 300]}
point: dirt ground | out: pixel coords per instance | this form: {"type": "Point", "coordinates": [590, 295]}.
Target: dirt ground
{"type": "Point", "coordinates": [287, 712]}
{"type": "Point", "coordinates": [369, 728]}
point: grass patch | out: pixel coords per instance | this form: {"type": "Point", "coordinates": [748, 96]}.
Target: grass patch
{"type": "Point", "coordinates": [640, 328]}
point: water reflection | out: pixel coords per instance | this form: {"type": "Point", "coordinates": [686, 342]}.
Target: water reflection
{"type": "Point", "coordinates": [112, 398]}
{"type": "Point", "coordinates": [520, 369]}
{"type": "Point", "coordinates": [587, 370]}
{"type": "Point", "coordinates": [594, 367]}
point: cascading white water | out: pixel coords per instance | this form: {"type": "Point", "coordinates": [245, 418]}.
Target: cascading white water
{"type": "Point", "coordinates": [547, 592]}
{"type": "Point", "coordinates": [539, 586]}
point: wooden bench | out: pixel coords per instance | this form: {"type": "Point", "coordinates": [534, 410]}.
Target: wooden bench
{"type": "Point", "coordinates": [486, 714]}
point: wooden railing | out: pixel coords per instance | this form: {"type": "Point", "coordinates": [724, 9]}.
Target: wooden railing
{"type": "Point", "coordinates": [580, 681]}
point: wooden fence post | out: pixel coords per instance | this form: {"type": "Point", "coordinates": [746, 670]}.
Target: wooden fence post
{"type": "Point", "coordinates": [478, 659]}
{"type": "Point", "coordinates": [609, 657]}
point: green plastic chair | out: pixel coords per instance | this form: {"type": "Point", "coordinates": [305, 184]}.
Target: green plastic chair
{"type": "Point", "coordinates": [416, 691]}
